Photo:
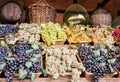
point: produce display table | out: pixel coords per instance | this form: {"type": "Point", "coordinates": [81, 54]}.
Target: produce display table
{"type": "Point", "coordinates": [63, 79]}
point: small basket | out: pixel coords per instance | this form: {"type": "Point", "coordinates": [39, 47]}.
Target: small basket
{"type": "Point", "coordinates": [41, 12]}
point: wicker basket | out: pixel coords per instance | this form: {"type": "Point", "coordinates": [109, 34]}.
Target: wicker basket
{"type": "Point", "coordinates": [101, 16]}
{"type": "Point", "coordinates": [41, 12]}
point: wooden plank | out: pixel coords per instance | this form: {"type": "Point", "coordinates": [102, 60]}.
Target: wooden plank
{"type": "Point", "coordinates": [110, 80]}
{"type": "Point", "coordinates": [4, 80]}
{"type": "Point", "coordinates": [63, 79]}
{"type": "Point", "coordinates": [26, 80]}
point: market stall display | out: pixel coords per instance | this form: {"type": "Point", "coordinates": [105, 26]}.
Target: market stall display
{"type": "Point", "coordinates": [72, 50]}
{"type": "Point", "coordinates": [60, 60]}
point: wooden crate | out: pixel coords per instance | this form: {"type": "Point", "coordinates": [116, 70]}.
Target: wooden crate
{"type": "Point", "coordinates": [46, 58]}
{"type": "Point", "coordinates": [91, 75]}
{"type": "Point", "coordinates": [17, 75]}
{"type": "Point", "coordinates": [50, 74]}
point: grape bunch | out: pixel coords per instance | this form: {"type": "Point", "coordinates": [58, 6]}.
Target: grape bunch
{"type": "Point", "coordinates": [116, 34]}
{"type": "Point", "coordinates": [116, 55]}
{"type": "Point", "coordinates": [7, 29]}
{"type": "Point", "coordinates": [3, 53]}
{"type": "Point", "coordinates": [52, 32]}
{"type": "Point", "coordinates": [99, 61]}
{"type": "Point", "coordinates": [25, 60]}
{"type": "Point", "coordinates": [11, 68]}
{"type": "Point", "coordinates": [29, 32]}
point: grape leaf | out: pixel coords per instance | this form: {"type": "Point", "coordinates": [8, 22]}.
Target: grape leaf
{"type": "Point", "coordinates": [102, 64]}
{"type": "Point", "coordinates": [35, 46]}
{"type": "Point", "coordinates": [99, 58]}
{"type": "Point", "coordinates": [96, 53]}
{"type": "Point", "coordinates": [37, 55]}
{"type": "Point", "coordinates": [111, 69]}
{"type": "Point", "coordinates": [33, 77]}
{"type": "Point", "coordinates": [111, 61]}
{"type": "Point", "coordinates": [28, 64]}
{"type": "Point", "coordinates": [34, 59]}
{"type": "Point", "coordinates": [22, 74]}
{"type": "Point", "coordinates": [28, 51]}
{"type": "Point", "coordinates": [10, 58]}
{"type": "Point", "coordinates": [44, 72]}
{"type": "Point", "coordinates": [2, 65]}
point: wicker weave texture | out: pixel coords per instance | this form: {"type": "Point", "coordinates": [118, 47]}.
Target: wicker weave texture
{"type": "Point", "coordinates": [41, 12]}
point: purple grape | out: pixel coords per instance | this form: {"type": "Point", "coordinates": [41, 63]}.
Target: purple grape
{"type": "Point", "coordinates": [6, 29]}
{"type": "Point", "coordinates": [21, 57]}
{"type": "Point", "coordinates": [97, 63]}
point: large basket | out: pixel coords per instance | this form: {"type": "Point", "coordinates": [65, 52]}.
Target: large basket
{"type": "Point", "coordinates": [41, 12]}
{"type": "Point", "coordinates": [101, 16]}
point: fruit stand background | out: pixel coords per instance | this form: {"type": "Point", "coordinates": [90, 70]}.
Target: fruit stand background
{"type": "Point", "coordinates": [61, 5]}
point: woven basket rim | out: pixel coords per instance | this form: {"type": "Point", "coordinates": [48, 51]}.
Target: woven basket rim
{"type": "Point", "coordinates": [38, 3]}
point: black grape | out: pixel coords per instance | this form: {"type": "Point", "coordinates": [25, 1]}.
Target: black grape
{"type": "Point", "coordinates": [96, 60]}
{"type": "Point", "coordinates": [20, 58]}
{"type": "Point", "coordinates": [6, 29]}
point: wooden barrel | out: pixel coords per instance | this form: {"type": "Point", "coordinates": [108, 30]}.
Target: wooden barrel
{"type": "Point", "coordinates": [12, 12]}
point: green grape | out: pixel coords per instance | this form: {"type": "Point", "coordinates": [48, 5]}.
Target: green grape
{"type": "Point", "coordinates": [62, 35]}
{"type": "Point", "coordinates": [52, 32]}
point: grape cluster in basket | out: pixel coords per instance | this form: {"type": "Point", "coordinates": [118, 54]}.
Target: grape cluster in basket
{"type": "Point", "coordinates": [99, 61]}
{"type": "Point", "coordinates": [25, 61]}
{"type": "Point", "coordinates": [116, 34]}
{"type": "Point", "coordinates": [6, 29]}
{"type": "Point", "coordinates": [52, 32]}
